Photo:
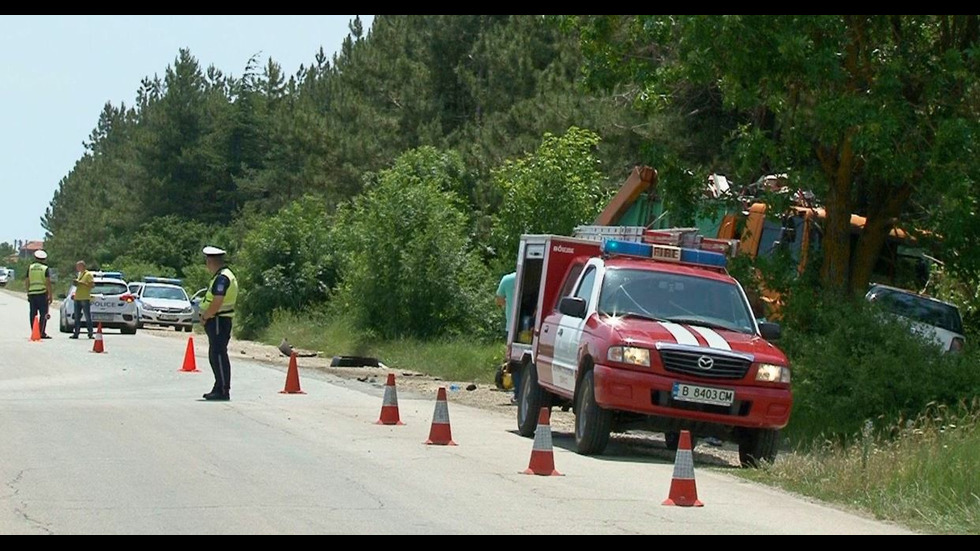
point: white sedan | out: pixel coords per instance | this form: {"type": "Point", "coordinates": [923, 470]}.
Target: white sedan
{"type": "Point", "coordinates": [166, 305]}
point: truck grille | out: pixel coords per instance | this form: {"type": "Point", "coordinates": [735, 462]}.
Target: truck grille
{"type": "Point", "coordinates": [692, 362]}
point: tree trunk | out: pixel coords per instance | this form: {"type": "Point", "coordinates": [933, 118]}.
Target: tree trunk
{"type": "Point", "coordinates": [880, 222]}
{"type": "Point", "coordinates": [838, 165]}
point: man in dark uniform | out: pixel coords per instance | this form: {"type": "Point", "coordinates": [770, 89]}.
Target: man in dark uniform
{"type": "Point", "coordinates": [39, 293]}
{"type": "Point", "coordinates": [217, 312]}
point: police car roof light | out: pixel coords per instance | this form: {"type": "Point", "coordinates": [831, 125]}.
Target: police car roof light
{"type": "Point", "coordinates": [109, 275]}
{"type": "Point", "coordinates": [163, 280]}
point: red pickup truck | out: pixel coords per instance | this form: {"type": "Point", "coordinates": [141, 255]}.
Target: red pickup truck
{"type": "Point", "coordinates": [635, 329]}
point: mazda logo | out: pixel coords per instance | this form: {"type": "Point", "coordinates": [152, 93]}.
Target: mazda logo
{"type": "Point", "coordinates": [706, 363]}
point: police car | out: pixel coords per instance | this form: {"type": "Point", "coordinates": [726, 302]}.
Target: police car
{"type": "Point", "coordinates": [163, 302]}
{"type": "Point", "coordinates": [113, 306]}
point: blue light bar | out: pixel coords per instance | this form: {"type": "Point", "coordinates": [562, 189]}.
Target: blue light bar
{"type": "Point", "coordinates": [703, 258]}
{"type": "Point", "coordinates": [627, 248]}
{"type": "Point", "coordinates": [664, 253]}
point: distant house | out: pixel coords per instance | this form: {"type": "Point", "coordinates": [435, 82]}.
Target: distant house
{"type": "Point", "coordinates": [28, 249]}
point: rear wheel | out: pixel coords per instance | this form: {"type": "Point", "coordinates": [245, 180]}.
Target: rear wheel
{"type": "Point", "coordinates": [530, 402]}
{"type": "Point", "coordinates": [593, 424]}
{"type": "Point", "coordinates": [128, 331]}
{"type": "Point", "coordinates": [63, 325]}
{"type": "Point", "coordinates": [757, 447]}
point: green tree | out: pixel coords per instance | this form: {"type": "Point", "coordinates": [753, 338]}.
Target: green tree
{"type": "Point", "coordinates": [7, 250]}
{"type": "Point", "coordinates": [409, 269]}
{"type": "Point", "coordinates": [286, 262]}
{"type": "Point", "coordinates": [551, 191]}
{"type": "Point", "coordinates": [878, 113]}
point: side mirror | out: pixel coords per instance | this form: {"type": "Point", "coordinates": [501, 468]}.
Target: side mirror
{"type": "Point", "coordinates": [573, 307]}
{"type": "Point", "coordinates": [770, 331]}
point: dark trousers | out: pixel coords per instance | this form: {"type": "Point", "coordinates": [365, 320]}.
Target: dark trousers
{"type": "Point", "coordinates": [83, 306]}
{"type": "Point", "coordinates": [219, 334]}
{"type": "Point", "coordinates": [39, 307]}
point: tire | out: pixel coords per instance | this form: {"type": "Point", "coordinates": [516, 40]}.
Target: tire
{"type": "Point", "coordinates": [757, 447]}
{"type": "Point", "coordinates": [593, 424]}
{"type": "Point", "coordinates": [177, 328]}
{"type": "Point", "coordinates": [188, 329]}
{"type": "Point", "coordinates": [63, 325]}
{"type": "Point", "coordinates": [128, 331]}
{"type": "Point", "coordinates": [530, 402]}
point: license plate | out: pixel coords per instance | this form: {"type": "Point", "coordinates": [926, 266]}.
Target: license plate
{"type": "Point", "coordinates": [168, 318]}
{"type": "Point", "coordinates": [704, 395]}
{"type": "Point", "coordinates": [102, 317]}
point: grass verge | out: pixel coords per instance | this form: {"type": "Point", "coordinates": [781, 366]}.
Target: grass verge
{"type": "Point", "coordinates": [921, 474]}
{"type": "Point", "coordinates": [456, 360]}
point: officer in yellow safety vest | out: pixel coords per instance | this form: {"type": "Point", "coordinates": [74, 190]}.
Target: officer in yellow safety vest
{"type": "Point", "coordinates": [39, 293]}
{"type": "Point", "coordinates": [217, 312]}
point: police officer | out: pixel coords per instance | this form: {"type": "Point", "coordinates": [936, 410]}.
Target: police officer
{"type": "Point", "coordinates": [217, 312]}
{"type": "Point", "coordinates": [39, 293]}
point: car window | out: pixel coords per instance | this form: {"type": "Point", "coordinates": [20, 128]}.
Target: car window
{"type": "Point", "coordinates": [109, 288]}
{"type": "Point", "coordinates": [166, 293]}
{"type": "Point", "coordinates": [919, 309]}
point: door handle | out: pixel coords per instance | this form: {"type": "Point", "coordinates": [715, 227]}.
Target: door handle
{"type": "Point", "coordinates": [545, 329]}
{"type": "Point", "coordinates": [560, 331]}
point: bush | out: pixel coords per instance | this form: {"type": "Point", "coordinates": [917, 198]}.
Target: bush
{"type": "Point", "coordinates": [552, 191]}
{"type": "Point", "coordinates": [852, 366]}
{"type": "Point", "coordinates": [286, 262]}
{"type": "Point", "coordinates": [409, 269]}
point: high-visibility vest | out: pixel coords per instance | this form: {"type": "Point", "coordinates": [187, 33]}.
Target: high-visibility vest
{"type": "Point", "coordinates": [35, 279]}
{"type": "Point", "coordinates": [231, 295]}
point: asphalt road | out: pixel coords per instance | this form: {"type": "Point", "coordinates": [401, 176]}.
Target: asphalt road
{"type": "Point", "coordinates": [121, 443]}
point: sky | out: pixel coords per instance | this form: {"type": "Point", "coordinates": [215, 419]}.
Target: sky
{"type": "Point", "coordinates": [57, 72]}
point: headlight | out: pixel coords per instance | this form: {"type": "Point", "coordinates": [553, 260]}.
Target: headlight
{"type": "Point", "coordinates": [769, 373]}
{"type": "Point", "coordinates": [149, 308]}
{"type": "Point", "coordinates": [187, 311]}
{"type": "Point", "coordinates": [629, 355]}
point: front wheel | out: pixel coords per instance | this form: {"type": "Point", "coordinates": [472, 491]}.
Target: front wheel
{"type": "Point", "coordinates": [530, 402]}
{"type": "Point", "coordinates": [593, 424]}
{"type": "Point", "coordinates": [757, 447]}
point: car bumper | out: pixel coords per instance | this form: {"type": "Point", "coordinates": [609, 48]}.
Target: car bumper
{"type": "Point", "coordinates": [157, 318]}
{"type": "Point", "coordinates": [107, 321]}
{"type": "Point", "coordinates": [651, 394]}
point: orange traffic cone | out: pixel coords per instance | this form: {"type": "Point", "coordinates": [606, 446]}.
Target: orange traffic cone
{"type": "Point", "coordinates": [683, 490]}
{"type": "Point", "coordinates": [190, 361]}
{"type": "Point", "coordinates": [292, 377]}
{"type": "Point", "coordinates": [441, 434]}
{"type": "Point", "coordinates": [542, 454]}
{"type": "Point", "coordinates": [36, 330]}
{"type": "Point", "coordinates": [389, 405]}
{"type": "Point", "coordinates": [99, 346]}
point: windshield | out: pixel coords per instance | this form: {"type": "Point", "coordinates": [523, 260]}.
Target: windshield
{"type": "Point", "coordinates": [167, 293]}
{"type": "Point", "coordinates": [109, 289]}
{"type": "Point", "coordinates": [677, 298]}
{"type": "Point", "coordinates": [919, 309]}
